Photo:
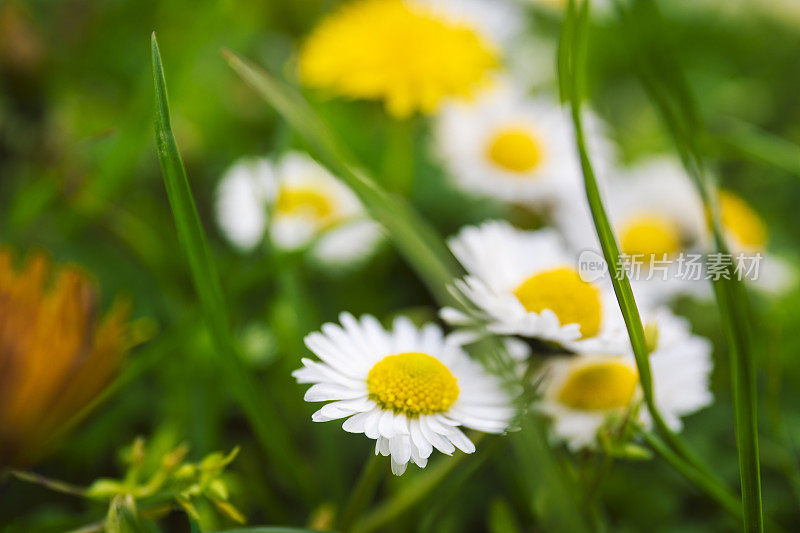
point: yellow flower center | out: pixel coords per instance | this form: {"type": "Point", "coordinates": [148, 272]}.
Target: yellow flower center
{"type": "Point", "coordinates": [412, 383]}
{"type": "Point", "coordinates": [392, 50]}
{"type": "Point", "coordinates": [514, 149]}
{"type": "Point", "coordinates": [561, 290]}
{"type": "Point", "coordinates": [599, 386]}
{"type": "Point", "coordinates": [648, 235]}
{"type": "Point", "coordinates": [741, 222]}
{"type": "Point", "coordinates": [306, 201]}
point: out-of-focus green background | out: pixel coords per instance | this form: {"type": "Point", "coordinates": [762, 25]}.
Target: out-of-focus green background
{"type": "Point", "coordinates": [79, 177]}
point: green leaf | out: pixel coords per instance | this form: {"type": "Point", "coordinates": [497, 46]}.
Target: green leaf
{"type": "Point", "coordinates": [412, 236]}
{"type": "Point", "coordinates": [258, 409]}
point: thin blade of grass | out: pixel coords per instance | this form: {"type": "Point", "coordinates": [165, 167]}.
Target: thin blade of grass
{"type": "Point", "coordinates": [577, 22]}
{"type": "Point", "coordinates": [673, 98]}
{"type": "Point", "coordinates": [750, 142]}
{"type": "Point", "coordinates": [258, 410]}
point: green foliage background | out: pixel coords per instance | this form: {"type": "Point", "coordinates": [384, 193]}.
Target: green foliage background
{"type": "Point", "coordinates": [79, 177]}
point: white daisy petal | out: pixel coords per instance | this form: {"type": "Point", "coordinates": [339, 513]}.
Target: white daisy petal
{"type": "Point", "coordinates": [322, 392]}
{"type": "Point", "coordinates": [358, 422]}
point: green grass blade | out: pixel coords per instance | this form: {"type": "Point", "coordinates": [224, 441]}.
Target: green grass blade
{"type": "Point", "coordinates": [578, 21]}
{"type": "Point", "coordinates": [749, 142]}
{"type": "Point", "coordinates": [673, 98]}
{"type": "Point", "coordinates": [261, 415]}
{"type": "Point", "coordinates": [716, 491]}
{"type": "Point", "coordinates": [576, 24]}
{"type": "Point", "coordinates": [420, 245]}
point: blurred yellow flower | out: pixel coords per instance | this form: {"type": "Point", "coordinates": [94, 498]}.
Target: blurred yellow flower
{"type": "Point", "coordinates": [406, 55]}
{"type": "Point", "coordinates": [56, 354]}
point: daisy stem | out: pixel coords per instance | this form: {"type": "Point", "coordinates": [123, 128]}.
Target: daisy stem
{"type": "Point", "coordinates": [707, 484]}
{"type": "Point", "coordinates": [422, 485]}
{"type": "Point", "coordinates": [48, 483]}
{"type": "Point", "coordinates": [362, 493]}
{"type": "Point", "coordinates": [398, 160]}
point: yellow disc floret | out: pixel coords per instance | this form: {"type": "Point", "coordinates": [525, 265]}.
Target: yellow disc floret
{"type": "Point", "coordinates": [741, 222]}
{"type": "Point", "coordinates": [412, 383]}
{"type": "Point", "coordinates": [404, 54]}
{"type": "Point", "coordinates": [514, 149]}
{"type": "Point", "coordinates": [562, 291]}
{"type": "Point", "coordinates": [306, 201]}
{"type": "Point", "coordinates": [600, 385]}
{"type": "Point", "coordinates": [650, 235]}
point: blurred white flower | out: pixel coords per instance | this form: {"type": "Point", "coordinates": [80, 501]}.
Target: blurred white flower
{"type": "Point", "coordinates": [515, 148]}
{"type": "Point", "coordinates": [525, 283]}
{"type": "Point", "coordinates": [409, 389]}
{"type": "Point", "coordinates": [299, 204]}
{"type": "Point", "coordinates": [242, 196]}
{"type": "Point", "coordinates": [582, 394]}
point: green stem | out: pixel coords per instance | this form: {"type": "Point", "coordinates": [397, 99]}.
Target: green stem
{"type": "Point", "coordinates": [707, 484]}
{"type": "Point", "coordinates": [412, 494]}
{"type": "Point", "coordinates": [51, 484]}
{"type": "Point", "coordinates": [398, 161]}
{"type": "Point", "coordinates": [361, 495]}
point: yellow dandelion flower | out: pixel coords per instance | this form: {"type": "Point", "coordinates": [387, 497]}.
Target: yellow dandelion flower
{"type": "Point", "coordinates": [406, 55]}
{"type": "Point", "coordinates": [56, 354]}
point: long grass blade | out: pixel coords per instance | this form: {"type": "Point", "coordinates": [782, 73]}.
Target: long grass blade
{"type": "Point", "coordinates": [670, 92]}
{"type": "Point", "coordinates": [259, 411]}
{"type": "Point", "coordinates": [576, 23]}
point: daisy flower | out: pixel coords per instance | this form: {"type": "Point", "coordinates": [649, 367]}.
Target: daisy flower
{"type": "Point", "coordinates": [408, 389]}
{"type": "Point", "coordinates": [525, 283]}
{"type": "Point", "coordinates": [300, 203]}
{"type": "Point", "coordinates": [406, 54]}
{"type": "Point", "coordinates": [588, 392]}
{"type": "Point", "coordinates": [514, 148]}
